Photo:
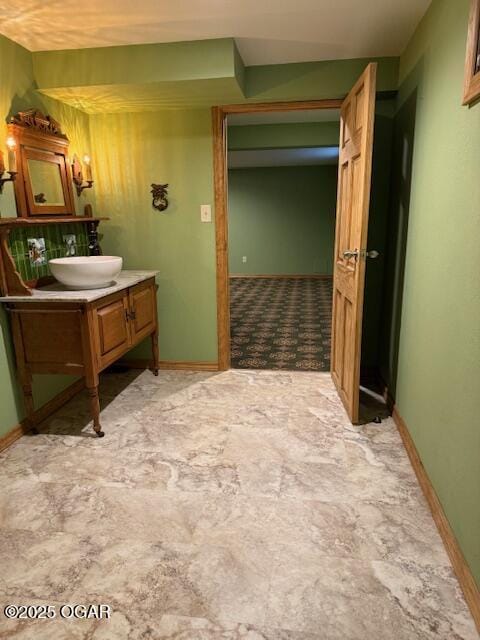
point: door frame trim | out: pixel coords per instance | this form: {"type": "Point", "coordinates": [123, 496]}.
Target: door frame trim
{"type": "Point", "coordinates": [220, 180]}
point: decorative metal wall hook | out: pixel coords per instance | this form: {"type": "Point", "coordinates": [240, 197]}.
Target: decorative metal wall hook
{"type": "Point", "coordinates": [160, 196]}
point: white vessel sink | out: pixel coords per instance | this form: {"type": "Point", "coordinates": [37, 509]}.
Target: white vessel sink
{"type": "Point", "coordinates": [86, 272]}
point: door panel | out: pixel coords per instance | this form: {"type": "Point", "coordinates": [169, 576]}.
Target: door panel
{"type": "Point", "coordinates": [354, 177]}
{"type": "Point", "coordinates": [143, 312]}
{"type": "Point", "coordinates": [51, 337]}
{"type": "Point", "coordinates": [112, 330]}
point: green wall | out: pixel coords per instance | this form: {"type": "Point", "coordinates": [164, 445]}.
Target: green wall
{"type": "Point", "coordinates": [132, 151]}
{"type": "Point", "coordinates": [17, 92]}
{"type": "Point", "coordinates": [315, 80]}
{"type": "Point", "coordinates": [144, 77]}
{"type": "Point", "coordinates": [282, 219]}
{"type": "Point", "coordinates": [138, 63]}
{"type": "Point", "coordinates": [287, 135]}
{"type": "Point", "coordinates": [433, 306]}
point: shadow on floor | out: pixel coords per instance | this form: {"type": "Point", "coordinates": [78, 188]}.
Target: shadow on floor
{"type": "Point", "coordinates": [68, 422]}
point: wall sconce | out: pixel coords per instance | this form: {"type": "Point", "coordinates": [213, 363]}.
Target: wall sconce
{"type": "Point", "coordinates": [12, 163]}
{"type": "Point", "coordinates": [77, 174]}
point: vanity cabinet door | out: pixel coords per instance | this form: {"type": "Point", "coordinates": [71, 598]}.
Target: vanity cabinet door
{"type": "Point", "coordinates": [143, 310]}
{"type": "Point", "coordinates": [112, 330]}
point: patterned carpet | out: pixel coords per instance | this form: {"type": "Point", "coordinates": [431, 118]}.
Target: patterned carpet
{"type": "Point", "coordinates": [281, 323]}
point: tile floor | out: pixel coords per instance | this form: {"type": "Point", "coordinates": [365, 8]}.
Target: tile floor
{"type": "Point", "coordinates": [239, 505]}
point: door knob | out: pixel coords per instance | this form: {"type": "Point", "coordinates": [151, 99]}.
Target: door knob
{"type": "Point", "coordinates": [350, 254]}
{"type": "Point", "coordinates": [372, 254]}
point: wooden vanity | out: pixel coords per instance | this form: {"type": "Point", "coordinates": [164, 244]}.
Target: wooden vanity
{"type": "Point", "coordinates": [56, 330]}
{"type": "Point", "coordinates": [82, 332]}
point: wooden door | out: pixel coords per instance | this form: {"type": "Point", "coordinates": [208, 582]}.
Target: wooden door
{"type": "Point", "coordinates": [143, 311]}
{"type": "Point", "coordinates": [112, 331]}
{"type": "Point", "coordinates": [354, 175]}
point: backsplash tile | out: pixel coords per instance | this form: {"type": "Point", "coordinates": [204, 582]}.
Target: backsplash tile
{"type": "Point", "coordinates": [55, 246]}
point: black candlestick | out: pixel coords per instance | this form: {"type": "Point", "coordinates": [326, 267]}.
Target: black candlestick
{"type": "Point", "coordinates": [94, 248]}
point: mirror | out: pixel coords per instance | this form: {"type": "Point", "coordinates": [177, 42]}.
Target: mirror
{"type": "Point", "coordinates": [43, 185]}
{"type": "Point", "coordinates": [46, 183]}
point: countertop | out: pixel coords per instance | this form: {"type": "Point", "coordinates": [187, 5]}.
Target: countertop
{"type": "Point", "coordinates": [59, 293]}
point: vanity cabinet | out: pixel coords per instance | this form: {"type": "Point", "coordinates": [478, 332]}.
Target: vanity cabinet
{"type": "Point", "coordinates": [82, 333]}
{"type": "Point", "coordinates": [123, 320]}
{"type": "Point", "coordinates": [142, 309]}
{"type": "Point", "coordinates": [111, 328]}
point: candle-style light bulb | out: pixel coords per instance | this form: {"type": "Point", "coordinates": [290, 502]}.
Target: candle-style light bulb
{"type": "Point", "coordinates": [12, 158]}
{"type": "Point", "coordinates": [88, 167]}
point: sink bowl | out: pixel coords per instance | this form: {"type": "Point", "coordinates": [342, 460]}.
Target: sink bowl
{"type": "Point", "coordinates": [86, 272]}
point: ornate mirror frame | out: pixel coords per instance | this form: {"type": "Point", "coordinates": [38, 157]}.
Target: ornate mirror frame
{"type": "Point", "coordinates": [38, 136]}
{"type": "Point", "coordinates": [471, 90]}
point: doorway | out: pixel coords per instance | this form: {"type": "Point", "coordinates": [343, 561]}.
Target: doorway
{"type": "Point", "coordinates": [357, 114]}
{"type": "Point", "coordinates": [282, 190]}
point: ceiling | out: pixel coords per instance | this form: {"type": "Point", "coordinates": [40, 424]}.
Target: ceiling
{"type": "Point", "coordinates": [300, 156]}
{"type": "Point", "coordinates": [266, 31]}
{"type": "Point", "coordinates": [284, 117]}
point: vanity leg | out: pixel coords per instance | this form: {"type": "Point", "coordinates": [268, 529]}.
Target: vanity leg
{"type": "Point", "coordinates": [95, 409]}
{"type": "Point", "coordinates": [91, 367]}
{"type": "Point", "coordinates": [155, 355]}
{"type": "Point", "coordinates": [29, 408]}
{"type": "Point", "coordinates": [24, 375]}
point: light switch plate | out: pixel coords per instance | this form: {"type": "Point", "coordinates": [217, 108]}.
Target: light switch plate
{"type": "Point", "coordinates": [206, 213]}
